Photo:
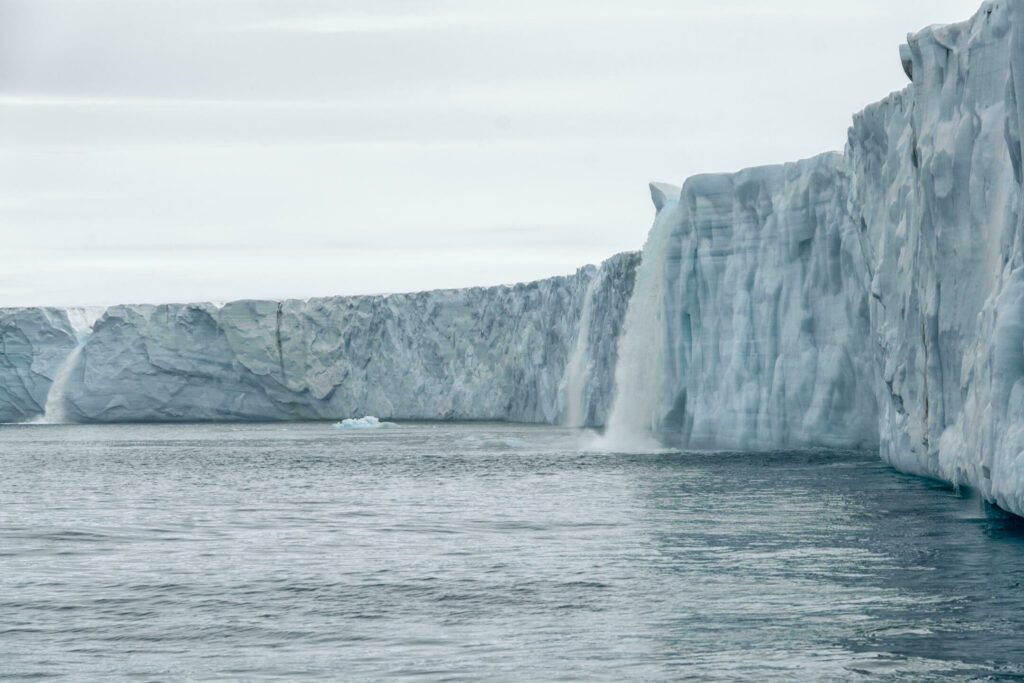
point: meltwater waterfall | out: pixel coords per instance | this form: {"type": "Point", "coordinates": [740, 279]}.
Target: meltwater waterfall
{"type": "Point", "coordinates": [577, 371]}
{"type": "Point", "coordinates": [56, 411]}
{"type": "Point", "coordinates": [81, 321]}
{"type": "Point", "coordinates": [633, 420]}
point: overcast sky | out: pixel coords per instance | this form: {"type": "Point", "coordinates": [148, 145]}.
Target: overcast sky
{"type": "Point", "coordinates": [179, 150]}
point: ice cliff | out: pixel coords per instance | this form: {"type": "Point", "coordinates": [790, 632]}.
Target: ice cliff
{"type": "Point", "coordinates": [936, 188]}
{"type": "Point", "coordinates": [873, 298]}
{"type": "Point", "coordinates": [496, 353]}
{"type": "Point", "coordinates": [34, 344]}
{"type": "Point", "coordinates": [750, 318]}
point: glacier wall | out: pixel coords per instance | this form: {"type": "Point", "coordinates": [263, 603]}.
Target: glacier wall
{"type": "Point", "coordinates": [497, 353]}
{"type": "Point", "coordinates": [936, 186]}
{"type": "Point", "coordinates": [34, 343]}
{"type": "Point", "coordinates": [757, 317]}
{"type": "Point", "coordinates": [870, 298]}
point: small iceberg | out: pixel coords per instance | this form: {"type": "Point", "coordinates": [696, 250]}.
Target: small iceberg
{"type": "Point", "coordinates": [368, 422]}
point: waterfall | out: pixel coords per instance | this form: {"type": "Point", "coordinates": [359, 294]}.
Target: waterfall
{"type": "Point", "coordinates": [55, 411]}
{"type": "Point", "coordinates": [82, 321]}
{"type": "Point", "coordinates": [633, 422]}
{"type": "Point", "coordinates": [577, 371]}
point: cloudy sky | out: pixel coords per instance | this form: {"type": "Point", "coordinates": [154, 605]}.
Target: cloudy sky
{"type": "Point", "coordinates": [178, 150]}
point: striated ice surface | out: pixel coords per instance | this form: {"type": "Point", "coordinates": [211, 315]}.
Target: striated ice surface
{"type": "Point", "coordinates": [496, 353]}
{"type": "Point", "coordinates": [34, 344]}
{"type": "Point", "coordinates": [870, 298]}
{"type": "Point", "coordinates": [936, 188]}
{"type": "Point", "coordinates": [749, 325]}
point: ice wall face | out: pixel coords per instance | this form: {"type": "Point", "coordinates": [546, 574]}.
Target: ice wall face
{"type": "Point", "coordinates": [495, 353]}
{"type": "Point", "coordinates": [34, 342]}
{"type": "Point", "coordinates": [936, 177]}
{"type": "Point", "coordinates": [756, 316]}
{"type": "Point", "coordinates": [871, 298]}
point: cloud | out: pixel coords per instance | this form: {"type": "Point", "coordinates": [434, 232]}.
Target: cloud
{"type": "Point", "coordinates": [569, 12]}
{"type": "Point", "coordinates": [182, 149]}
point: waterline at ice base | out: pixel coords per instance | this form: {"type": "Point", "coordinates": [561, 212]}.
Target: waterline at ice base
{"type": "Point", "coordinates": [868, 299]}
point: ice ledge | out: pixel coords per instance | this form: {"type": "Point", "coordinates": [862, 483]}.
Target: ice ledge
{"type": "Point", "coordinates": [663, 193]}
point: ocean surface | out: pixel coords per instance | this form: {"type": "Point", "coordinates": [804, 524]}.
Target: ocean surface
{"type": "Point", "coordinates": [487, 551]}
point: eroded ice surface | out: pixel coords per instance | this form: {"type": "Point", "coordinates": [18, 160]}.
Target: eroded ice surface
{"type": "Point", "coordinates": [750, 322]}
{"type": "Point", "coordinates": [35, 343]}
{"type": "Point", "coordinates": [936, 182]}
{"type": "Point", "coordinates": [874, 297]}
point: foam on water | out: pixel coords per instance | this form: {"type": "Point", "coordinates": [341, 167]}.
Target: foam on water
{"type": "Point", "coordinates": [368, 422]}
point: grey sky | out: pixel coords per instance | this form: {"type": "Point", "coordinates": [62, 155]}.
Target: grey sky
{"type": "Point", "coordinates": [173, 150]}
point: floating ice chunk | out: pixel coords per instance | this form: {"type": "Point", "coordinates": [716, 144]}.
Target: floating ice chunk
{"type": "Point", "coordinates": [368, 422]}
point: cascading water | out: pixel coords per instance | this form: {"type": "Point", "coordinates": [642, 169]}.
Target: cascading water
{"type": "Point", "coordinates": [81, 321]}
{"type": "Point", "coordinates": [633, 420]}
{"type": "Point", "coordinates": [577, 371]}
{"type": "Point", "coordinates": [55, 411]}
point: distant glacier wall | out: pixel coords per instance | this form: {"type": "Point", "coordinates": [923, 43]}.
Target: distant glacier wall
{"type": "Point", "coordinates": [34, 343]}
{"type": "Point", "coordinates": [497, 353]}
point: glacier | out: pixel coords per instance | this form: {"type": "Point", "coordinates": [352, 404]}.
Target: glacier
{"type": "Point", "coordinates": [869, 299]}
{"type": "Point", "coordinates": [872, 298]}
{"type": "Point", "coordinates": [496, 353]}
{"type": "Point", "coordinates": [34, 344]}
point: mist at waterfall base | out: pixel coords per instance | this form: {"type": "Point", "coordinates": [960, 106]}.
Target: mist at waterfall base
{"type": "Point", "coordinates": [483, 551]}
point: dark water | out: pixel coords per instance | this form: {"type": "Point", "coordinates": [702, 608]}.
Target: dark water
{"type": "Point", "coordinates": [441, 552]}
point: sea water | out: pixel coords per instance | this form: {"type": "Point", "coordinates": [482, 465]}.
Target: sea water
{"type": "Point", "coordinates": [487, 551]}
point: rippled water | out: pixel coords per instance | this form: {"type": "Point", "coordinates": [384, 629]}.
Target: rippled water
{"type": "Point", "coordinates": [486, 551]}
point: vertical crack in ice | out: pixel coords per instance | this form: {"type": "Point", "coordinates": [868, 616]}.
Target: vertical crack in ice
{"type": "Point", "coordinates": [280, 346]}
